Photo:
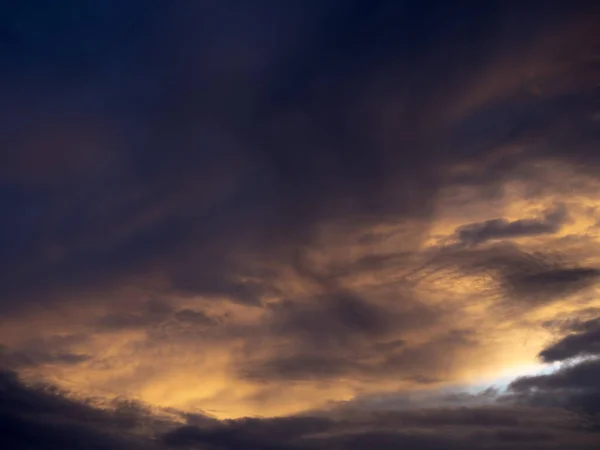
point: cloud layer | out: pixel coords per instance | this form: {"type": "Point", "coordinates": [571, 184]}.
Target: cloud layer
{"type": "Point", "coordinates": [322, 224]}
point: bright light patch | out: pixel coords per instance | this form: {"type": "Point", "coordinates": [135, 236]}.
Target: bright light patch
{"type": "Point", "coordinates": [505, 376]}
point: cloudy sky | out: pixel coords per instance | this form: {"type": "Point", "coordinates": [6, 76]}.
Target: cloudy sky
{"type": "Point", "coordinates": [299, 225]}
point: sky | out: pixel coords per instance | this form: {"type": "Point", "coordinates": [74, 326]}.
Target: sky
{"type": "Point", "coordinates": [299, 225]}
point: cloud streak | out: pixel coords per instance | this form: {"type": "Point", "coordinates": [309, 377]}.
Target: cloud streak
{"type": "Point", "coordinates": [495, 229]}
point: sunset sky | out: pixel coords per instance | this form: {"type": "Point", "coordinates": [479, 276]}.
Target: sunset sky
{"type": "Point", "coordinates": [300, 224]}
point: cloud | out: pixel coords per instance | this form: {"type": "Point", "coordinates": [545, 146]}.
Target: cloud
{"type": "Point", "coordinates": [42, 417]}
{"type": "Point", "coordinates": [478, 233]}
{"type": "Point", "coordinates": [574, 384]}
{"type": "Point", "coordinates": [459, 428]}
{"type": "Point", "coordinates": [36, 358]}
{"type": "Point", "coordinates": [574, 387]}
{"type": "Point", "coordinates": [45, 418]}
{"type": "Point", "coordinates": [539, 278]}
{"type": "Point", "coordinates": [217, 165]}
{"type": "Point", "coordinates": [229, 207]}
{"type": "Point", "coordinates": [586, 342]}
{"type": "Point", "coordinates": [336, 333]}
{"type": "Point", "coordinates": [514, 275]}
{"type": "Point", "coordinates": [53, 350]}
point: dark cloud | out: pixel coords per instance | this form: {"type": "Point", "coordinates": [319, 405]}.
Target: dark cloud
{"type": "Point", "coordinates": [321, 336]}
{"type": "Point", "coordinates": [478, 233]}
{"type": "Point", "coordinates": [336, 318]}
{"type": "Point", "coordinates": [57, 349]}
{"type": "Point", "coordinates": [459, 428]}
{"type": "Point", "coordinates": [195, 152]}
{"type": "Point", "coordinates": [43, 418]}
{"type": "Point", "coordinates": [575, 384]}
{"type": "Point", "coordinates": [337, 332]}
{"type": "Point", "coordinates": [360, 358]}
{"type": "Point", "coordinates": [519, 277]}
{"type": "Point", "coordinates": [584, 342]}
{"type": "Point", "coordinates": [21, 358]}
{"type": "Point", "coordinates": [184, 160]}
{"type": "Point", "coordinates": [540, 278]}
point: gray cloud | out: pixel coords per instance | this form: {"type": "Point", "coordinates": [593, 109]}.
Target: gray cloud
{"type": "Point", "coordinates": [478, 233]}
{"type": "Point", "coordinates": [575, 384]}
{"type": "Point", "coordinates": [586, 342]}
{"type": "Point", "coordinates": [461, 428]}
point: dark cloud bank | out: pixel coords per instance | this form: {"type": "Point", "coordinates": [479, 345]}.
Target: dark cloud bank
{"type": "Point", "coordinates": [198, 142]}
{"type": "Point", "coordinates": [554, 411]}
